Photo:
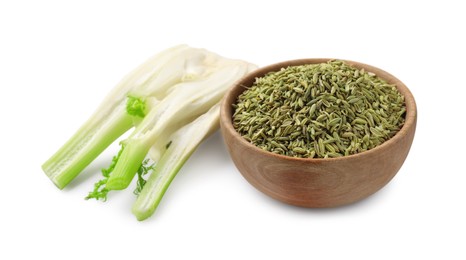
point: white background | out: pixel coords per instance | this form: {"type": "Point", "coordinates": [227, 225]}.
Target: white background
{"type": "Point", "coordinates": [58, 59]}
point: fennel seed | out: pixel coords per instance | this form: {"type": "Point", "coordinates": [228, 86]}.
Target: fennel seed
{"type": "Point", "coordinates": [324, 110]}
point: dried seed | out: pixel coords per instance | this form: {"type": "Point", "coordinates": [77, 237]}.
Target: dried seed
{"type": "Point", "coordinates": [334, 121]}
{"type": "Point", "coordinates": [319, 110]}
{"type": "Point", "coordinates": [299, 150]}
{"type": "Point", "coordinates": [312, 109]}
{"type": "Point", "coordinates": [321, 146]}
{"type": "Point", "coordinates": [359, 120]}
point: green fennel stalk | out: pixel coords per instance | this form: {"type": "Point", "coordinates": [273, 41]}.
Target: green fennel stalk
{"type": "Point", "coordinates": [184, 143]}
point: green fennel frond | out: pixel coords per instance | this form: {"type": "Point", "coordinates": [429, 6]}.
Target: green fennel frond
{"type": "Point", "coordinates": [100, 191]}
{"type": "Point", "coordinates": [145, 168]}
{"type": "Point", "coordinates": [135, 106]}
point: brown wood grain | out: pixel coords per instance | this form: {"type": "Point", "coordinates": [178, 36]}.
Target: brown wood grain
{"type": "Point", "coordinates": [318, 182]}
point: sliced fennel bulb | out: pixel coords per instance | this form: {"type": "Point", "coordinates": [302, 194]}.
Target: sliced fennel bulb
{"type": "Point", "coordinates": [171, 101]}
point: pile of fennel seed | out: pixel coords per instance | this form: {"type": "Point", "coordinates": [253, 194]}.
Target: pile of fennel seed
{"type": "Point", "coordinates": [319, 111]}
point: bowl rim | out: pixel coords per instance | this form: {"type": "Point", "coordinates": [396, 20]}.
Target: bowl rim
{"type": "Point", "coordinates": [226, 109]}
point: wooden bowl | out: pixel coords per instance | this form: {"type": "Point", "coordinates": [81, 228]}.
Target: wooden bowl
{"type": "Point", "coordinates": [318, 183]}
